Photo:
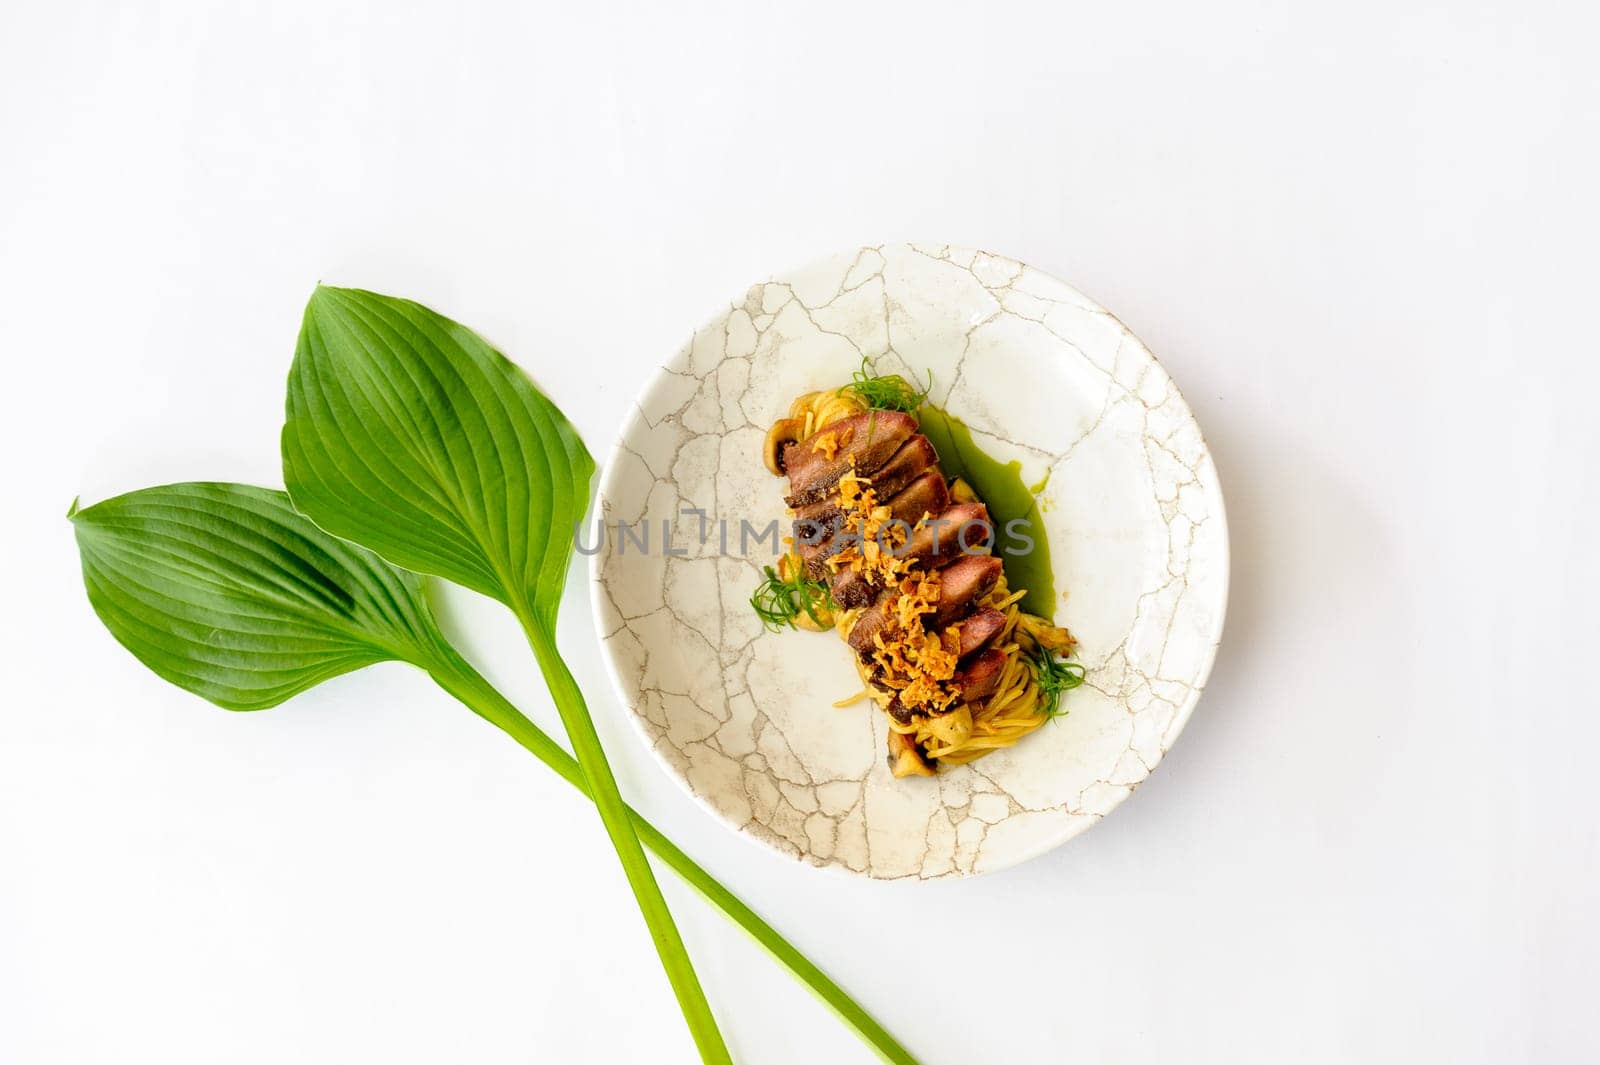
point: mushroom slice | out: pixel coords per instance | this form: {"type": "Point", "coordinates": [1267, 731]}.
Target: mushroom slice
{"type": "Point", "coordinates": [783, 431]}
{"type": "Point", "coordinates": [1050, 637]}
{"type": "Point", "coordinates": [905, 758]}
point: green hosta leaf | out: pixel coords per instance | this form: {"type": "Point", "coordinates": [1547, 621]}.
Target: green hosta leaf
{"type": "Point", "coordinates": [223, 589]}
{"type": "Point", "coordinates": [408, 433]}
{"type": "Point", "coordinates": [226, 591]}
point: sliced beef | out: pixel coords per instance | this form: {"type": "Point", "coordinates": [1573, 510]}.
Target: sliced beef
{"type": "Point", "coordinates": [915, 456]}
{"type": "Point", "coordinates": [817, 541]}
{"type": "Point", "coordinates": [865, 442]}
{"type": "Point", "coordinates": [976, 680]}
{"type": "Point", "coordinates": [940, 540]}
{"type": "Point", "coordinates": [823, 510]}
{"type": "Point", "coordinates": [964, 581]}
{"type": "Point", "coordinates": [977, 630]}
{"type": "Point", "coordinates": [936, 542]}
{"type": "Point", "coordinates": [926, 494]}
{"type": "Point", "coordinates": [870, 622]}
{"type": "Point", "coordinates": [980, 677]}
{"type": "Point", "coordinates": [852, 589]}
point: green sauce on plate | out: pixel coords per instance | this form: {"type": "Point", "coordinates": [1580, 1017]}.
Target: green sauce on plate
{"type": "Point", "coordinates": [1024, 551]}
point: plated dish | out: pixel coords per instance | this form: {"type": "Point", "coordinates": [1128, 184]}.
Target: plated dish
{"type": "Point", "coordinates": [1039, 390]}
{"type": "Point", "coordinates": [897, 555]}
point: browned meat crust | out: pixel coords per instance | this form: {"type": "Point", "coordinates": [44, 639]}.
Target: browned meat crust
{"type": "Point", "coordinates": [981, 677]}
{"type": "Point", "coordinates": [977, 630]}
{"type": "Point", "coordinates": [927, 494]}
{"type": "Point", "coordinates": [863, 442]}
{"type": "Point", "coordinates": [964, 581]}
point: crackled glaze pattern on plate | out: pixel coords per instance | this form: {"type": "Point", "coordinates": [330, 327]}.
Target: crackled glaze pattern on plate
{"type": "Point", "coordinates": [743, 717]}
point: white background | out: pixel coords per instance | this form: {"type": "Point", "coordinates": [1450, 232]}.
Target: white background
{"type": "Point", "coordinates": [1362, 240]}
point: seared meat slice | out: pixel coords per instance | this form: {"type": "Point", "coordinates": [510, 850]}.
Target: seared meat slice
{"type": "Point", "coordinates": [869, 624]}
{"type": "Point", "coordinates": [977, 680]}
{"type": "Point", "coordinates": [936, 540]}
{"type": "Point", "coordinates": [964, 581]}
{"type": "Point", "coordinates": [851, 589]}
{"type": "Point", "coordinates": [811, 534]}
{"type": "Point", "coordinates": [981, 677]}
{"type": "Point", "coordinates": [926, 494]}
{"type": "Point", "coordinates": [914, 456]}
{"type": "Point", "coordinates": [863, 442]}
{"type": "Point", "coordinates": [816, 542]}
{"type": "Point", "coordinates": [977, 630]}
{"type": "Point", "coordinates": [823, 510]}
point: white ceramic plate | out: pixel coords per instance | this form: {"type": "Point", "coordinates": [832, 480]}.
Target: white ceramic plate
{"type": "Point", "coordinates": [743, 717]}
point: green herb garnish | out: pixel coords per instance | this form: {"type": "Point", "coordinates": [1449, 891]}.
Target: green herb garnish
{"type": "Point", "coordinates": [777, 602]}
{"type": "Point", "coordinates": [886, 391]}
{"type": "Point", "coordinates": [1055, 675]}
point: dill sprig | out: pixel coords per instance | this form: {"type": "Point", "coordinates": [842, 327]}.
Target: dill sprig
{"type": "Point", "coordinates": [1055, 675]}
{"type": "Point", "coordinates": [886, 391]}
{"type": "Point", "coordinates": [777, 600]}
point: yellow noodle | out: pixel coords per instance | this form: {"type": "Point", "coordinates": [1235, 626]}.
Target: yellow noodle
{"type": "Point", "coordinates": [818, 410]}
